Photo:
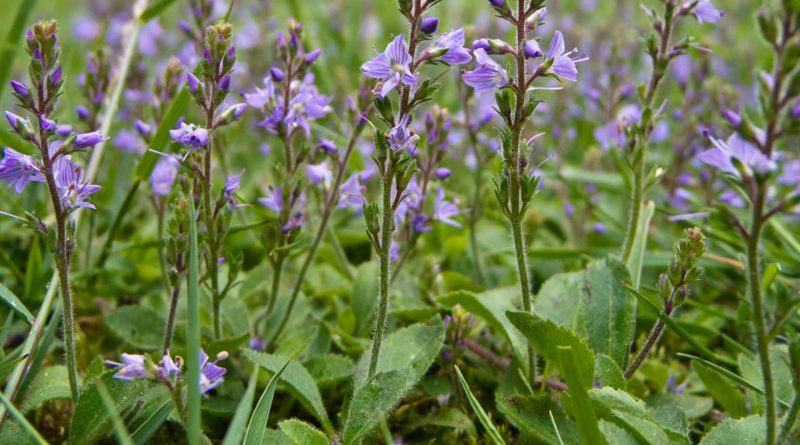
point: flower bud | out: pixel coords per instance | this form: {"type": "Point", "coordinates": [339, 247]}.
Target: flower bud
{"type": "Point", "coordinates": [276, 74]}
{"type": "Point", "coordinates": [327, 146]}
{"type": "Point", "coordinates": [731, 116]}
{"type": "Point", "coordinates": [82, 112]}
{"type": "Point", "coordinates": [312, 56]}
{"type": "Point", "coordinates": [85, 140]}
{"type": "Point", "coordinates": [429, 25]}
{"type": "Point", "coordinates": [442, 173]}
{"type": "Point", "coordinates": [532, 49]}
{"type": "Point", "coordinates": [193, 82]}
{"type": "Point", "coordinates": [20, 89]}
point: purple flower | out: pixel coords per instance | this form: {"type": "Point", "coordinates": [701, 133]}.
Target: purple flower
{"type": "Point", "coordinates": [276, 74]}
{"type": "Point", "coordinates": [482, 44]}
{"type": "Point", "coordinates": [790, 175]}
{"type": "Point", "coordinates": [745, 153]}
{"type": "Point", "coordinates": [706, 12]}
{"type": "Point", "coordinates": [257, 344]}
{"type": "Point", "coordinates": [443, 211]}
{"type": "Point", "coordinates": [261, 97]}
{"type": "Point", "coordinates": [731, 116]}
{"type": "Point", "coordinates": [394, 251]}
{"type": "Point", "coordinates": [85, 140]}
{"type": "Point", "coordinates": [163, 177]}
{"type": "Point", "coordinates": [18, 170]}
{"type": "Point", "coordinates": [82, 112]}
{"type": "Point", "coordinates": [297, 219]}
{"type": "Point", "coordinates": [327, 146]}
{"type": "Point", "coordinates": [20, 89]}
{"type": "Point", "coordinates": [319, 174]}
{"type": "Point", "coordinates": [306, 105]}
{"type": "Point", "coordinates": [128, 141]}
{"type": "Point", "coordinates": [273, 200]}
{"type": "Point", "coordinates": [144, 129]}
{"type": "Point", "coordinates": [131, 368]}
{"type": "Point", "coordinates": [488, 74]}
{"type": "Point", "coordinates": [428, 25]}
{"type": "Point", "coordinates": [563, 65]}
{"type": "Point", "coordinates": [168, 368]}
{"type": "Point", "coordinates": [192, 81]}
{"type": "Point", "coordinates": [613, 133]}
{"type": "Point", "coordinates": [402, 138]}
{"type": "Point", "coordinates": [420, 223]}
{"type": "Point", "coordinates": [453, 42]}
{"type": "Point", "coordinates": [190, 135]}
{"type": "Point", "coordinates": [391, 66]}
{"type": "Point", "coordinates": [351, 193]}
{"type": "Point", "coordinates": [15, 121]}
{"type": "Point", "coordinates": [442, 173]}
{"type": "Point", "coordinates": [210, 373]}
{"type": "Point", "coordinates": [599, 228]}
{"type": "Point", "coordinates": [71, 186]}
{"type": "Point", "coordinates": [232, 184]}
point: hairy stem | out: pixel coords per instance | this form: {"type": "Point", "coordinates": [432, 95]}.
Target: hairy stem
{"type": "Point", "coordinates": [791, 420]}
{"type": "Point", "coordinates": [383, 280]}
{"type": "Point", "coordinates": [173, 308]}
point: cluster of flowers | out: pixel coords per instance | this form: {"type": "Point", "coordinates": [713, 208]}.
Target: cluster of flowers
{"type": "Point", "coordinates": [169, 370]}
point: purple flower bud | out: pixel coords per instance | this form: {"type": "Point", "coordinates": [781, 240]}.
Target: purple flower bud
{"type": "Point", "coordinates": [281, 40]}
{"type": "Point", "coordinates": [207, 56]}
{"type": "Point", "coordinates": [497, 3]}
{"type": "Point", "coordinates": [599, 228]}
{"type": "Point", "coordinates": [327, 146]}
{"type": "Point", "coordinates": [532, 49]}
{"type": "Point", "coordinates": [185, 26]}
{"type": "Point", "coordinates": [88, 139]}
{"type": "Point", "coordinates": [64, 130]}
{"type": "Point", "coordinates": [238, 110]}
{"type": "Point", "coordinates": [429, 25]}
{"type": "Point", "coordinates": [795, 111]}
{"type": "Point", "coordinates": [47, 124]}
{"type": "Point", "coordinates": [143, 128]}
{"type": "Point", "coordinates": [482, 44]}
{"type": "Point", "coordinates": [20, 89]}
{"type": "Point", "coordinates": [312, 56]}
{"type": "Point", "coordinates": [82, 112]}
{"type": "Point", "coordinates": [231, 54]}
{"type": "Point", "coordinates": [57, 74]}
{"type": "Point", "coordinates": [257, 344]}
{"type": "Point", "coordinates": [192, 81]}
{"type": "Point", "coordinates": [442, 173]}
{"type": "Point", "coordinates": [731, 116]}
{"type": "Point", "coordinates": [14, 120]}
{"type": "Point", "coordinates": [224, 83]}
{"type": "Point", "coordinates": [276, 74]}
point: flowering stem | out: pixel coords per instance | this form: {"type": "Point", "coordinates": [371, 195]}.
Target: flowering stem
{"type": "Point", "coordinates": [173, 308]}
{"type": "Point", "coordinates": [387, 226]}
{"type": "Point", "coordinates": [516, 165]}
{"type": "Point", "coordinates": [327, 210]}
{"type": "Point", "coordinates": [653, 338]}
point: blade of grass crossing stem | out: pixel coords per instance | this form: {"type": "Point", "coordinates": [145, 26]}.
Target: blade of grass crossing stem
{"type": "Point", "coordinates": [636, 261]}
{"type": "Point", "coordinates": [491, 431]}
{"type": "Point", "coordinates": [23, 422]}
{"type": "Point", "coordinates": [154, 11]}
{"type": "Point", "coordinates": [236, 429]}
{"type": "Point", "coordinates": [153, 423]}
{"type": "Point", "coordinates": [10, 44]}
{"type": "Point", "coordinates": [258, 422]}
{"type": "Point", "coordinates": [672, 324]}
{"type": "Point", "coordinates": [732, 375]}
{"type": "Point", "coordinates": [33, 336]}
{"type": "Point", "coordinates": [123, 436]}
{"type": "Point", "coordinates": [584, 413]}
{"type": "Point", "coordinates": [193, 333]}
{"type": "Point", "coordinates": [6, 368]}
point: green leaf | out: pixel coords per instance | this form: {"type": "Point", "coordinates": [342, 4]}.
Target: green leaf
{"type": "Point", "coordinates": [139, 326]}
{"type": "Point", "coordinates": [155, 10]}
{"type": "Point", "coordinates": [750, 430]}
{"type": "Point", "coordinates": [547, 337]}
{"type": "Point", "coordinates": [616, 435]}
{"type": "Point", "coordinates": [7, 367]}
{"type": "Point", "coordinates": [123, 436]}
{"type": "Point", "coordinates": [258, 422]}
{"type": "Point", "coordinates": [50, 383]}
{"type": "Point", "coordinates": [328, 369]}
{"type": "Point", "coordinates": [362, 297]}
{"type": "Point", "coordinates": [297, 380]}
{"type": "Point", "coordinates": [193, 424]}
{"type": "Point", "coordinates": [491, 430]}
{"type": "Point", "coordinates": [609, 310]}
{"type": "Point", "coordinates": [413, 348]}
{"type": "Point", "coordinates": [446, 417]}
{"type": "Point", "coordinates": [23, 422]}
{"type": "Point", "coordinates": [153, 422]}
{"type": "Point", "coordinates": [608, 372]}
{"type": "Point", "coordinates": [236, 429]}
{"type": "Point", "coordinates": [532, 416]}
{"type": "Point", "coordinates": [161, 137]}
{"type": "Point", "coordinates": [727, 394]}
{"type": "Point", "coordinates": [302, 433]}
{"type": "Point", "coordinates": [578, 400]}
{"type": "Point", "coordinates": [491, 306]}
{"type": "Point", "coordinates": [91, 420]}
{"type": "Point", "coordinates": [629, 413]}
{"type": "Point", "coordinates": [636, 260]}
{"type": "Point", "coordinates": [14, 303]}
{"type": "Point", "coordinates": [559, 300]}
{"type": "Point", "coordinates": [373, 400]}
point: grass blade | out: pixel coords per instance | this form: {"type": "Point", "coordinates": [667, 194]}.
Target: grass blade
{"type": "Point", "coordinates": [11, 42]}
{"type": "Point", "coordinates": [482, 416]}
{"type": "Point", "coordinates": [161, 137]}
{"type": "Point", "coordinates": [582, 407]}
{"type": "Point", "coordinates": [155, 10]}
{"type": "Point", "coordinates": [258, 422]}
{"type": "Point", "coordinates": [14, 303]}
{"type": "Point", "coordinates": [153, 423]}
{"type": "Point", "coordinates": [193, 333]}
{"type": "Point", "coordinates": [23, 422]}
{"type": "Point", "coordinates": [116, 420]}
{"type": "Point", "coordinates": [6, 368]}
{"type": "Point", "coordinates": [236, 429]}
{"type": "Point", "coordinates": [555, 428]}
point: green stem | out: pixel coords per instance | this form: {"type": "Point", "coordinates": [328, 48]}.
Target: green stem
{"type": "Point", "coordinates": [277, 269]}
{"type": "Point", "coordinates": [758, 315]}
{"type": "Point", "coordinates": [62, 263]}
{"type": "Point", "coordinates": [383, 297]}
{"type": "Point", "coordinates": [637, 194]}
{"type": "Point", "coordinates": [791, 419]}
